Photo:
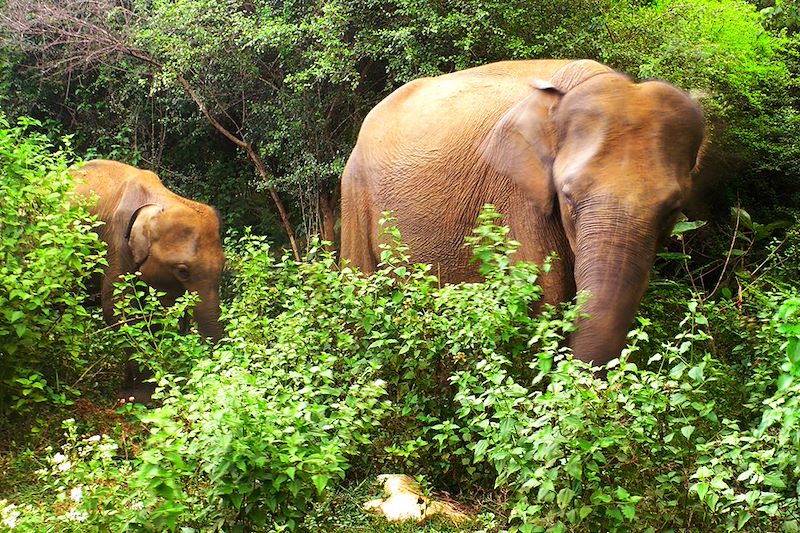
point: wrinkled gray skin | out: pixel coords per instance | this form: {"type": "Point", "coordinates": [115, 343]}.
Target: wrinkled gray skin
{"type": "Point", "coordinates": [579, 159]}
{"type": "Point", "coordinates": [174, 243]}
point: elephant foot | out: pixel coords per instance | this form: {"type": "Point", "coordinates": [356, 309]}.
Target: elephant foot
{"type": "Point", "coordinates": [135, 387]}
{"type": "Point", "coordinates": [137, 393]}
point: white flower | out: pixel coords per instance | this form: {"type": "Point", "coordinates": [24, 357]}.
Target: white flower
{"type": "Point", "coordinates": [10, 521]}
{"type": "Point", "coordinates": [76, 494]}
{"type": "Point", "coordinates": [77, 516]}
{"type": "Point", "coordinates": [66, 465]}
{"type": "Point", "coordinates": [379, 383]}
{"type": "Point", "coordinates": [137, 506]}
{"type": "Point", "coordinates": [9, 514]}
{"type": "Point", "coordinates": [59, 458]}
{"type": "Point", "coordinates": [94, 438]}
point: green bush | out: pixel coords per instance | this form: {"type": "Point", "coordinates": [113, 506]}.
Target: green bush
{"type": "Point", "coordinates": [47, 253]}
{"type": "Point", "coordinates": [84, 487]}
{"type": "Point", "coordinates": [328, 376]}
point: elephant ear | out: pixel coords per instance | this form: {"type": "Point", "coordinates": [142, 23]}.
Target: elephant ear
{"type": "Point", "coordinates": [521, 145]}
{"type": "Point", "coordinates": [120, 226]}
{"type": "Point", "coordinates": [141, 228]}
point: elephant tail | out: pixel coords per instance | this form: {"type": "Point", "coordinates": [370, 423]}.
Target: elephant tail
{"type": "Point", "coordinates": [359, 226]}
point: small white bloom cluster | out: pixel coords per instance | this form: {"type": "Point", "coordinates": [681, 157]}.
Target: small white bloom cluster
{"type": "Point", "coordinates": [9, 514]}
{"type": "Point", "coordinates": [76, 494]}
{"type": "Point", "coordinates": [61, 460]}
{"type": "Point", "coordinates": [75, 515]}
{"type": "Point", "coordinates": [108, 448]}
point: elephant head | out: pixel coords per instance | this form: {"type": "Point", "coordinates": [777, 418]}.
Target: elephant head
{"type": "Point", "coordinates": [174, 243]}
{"type": "Point", "coordinates": [613, 160]}
{"type": "Point", "coordinates": [176, 248]}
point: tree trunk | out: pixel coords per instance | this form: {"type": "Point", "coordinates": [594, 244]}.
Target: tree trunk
{"type": "Point", "coordinates": [327, 201]}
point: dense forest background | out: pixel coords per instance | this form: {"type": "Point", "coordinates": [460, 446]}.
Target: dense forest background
{"type": "Point", "coordinates": [327, 378]}
{"type": "Point", "coordinates": [254, 106]}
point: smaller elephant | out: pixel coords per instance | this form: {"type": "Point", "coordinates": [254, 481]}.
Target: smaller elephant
{"type": "Point", "coordinates": [173, 243]}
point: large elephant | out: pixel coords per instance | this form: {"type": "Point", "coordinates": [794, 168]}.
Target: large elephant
{"type": "Point", "coordinates": [580, 159]}
{"type": "Point", "coordinates": [173, 242]}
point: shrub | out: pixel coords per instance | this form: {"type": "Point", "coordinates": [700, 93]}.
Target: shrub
{"type": "Point", "coordinates": [47, 253]}
{"type": "Point", "coordinates": [83, 488]}
{"type": "Point", "coordinates": [326, 375]}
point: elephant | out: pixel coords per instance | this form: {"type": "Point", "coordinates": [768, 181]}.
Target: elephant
{"type": "Point", "coordinates": [580, 160]}
{"type": "Point", "coordinates": [171, 242]}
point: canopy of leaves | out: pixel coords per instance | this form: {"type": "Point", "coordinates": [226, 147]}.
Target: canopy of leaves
{"type": "Point", "coordinates": [295, 79]}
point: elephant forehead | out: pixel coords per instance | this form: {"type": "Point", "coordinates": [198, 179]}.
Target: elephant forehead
{"type": "Point", "coordinates": [630, 139]}
{"type": "Point", "coordinates": [631, 177]}
{"type": "Point", "coordinates": [184, 230]}
{"type": "Point", "coordinates": [184, 220]}
{"type": "Point", "coordinates": [651, 115]}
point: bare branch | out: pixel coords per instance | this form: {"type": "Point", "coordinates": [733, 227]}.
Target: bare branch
{"type": "Point", "coordinates": [70, 34]}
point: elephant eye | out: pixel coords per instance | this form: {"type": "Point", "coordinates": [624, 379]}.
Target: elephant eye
{"type": "Point", "coordinates": [182, 272]}
{"type": "Point", "coordinates": [569, 201]}
{"type": "Point", "coordinates": [672, 216]}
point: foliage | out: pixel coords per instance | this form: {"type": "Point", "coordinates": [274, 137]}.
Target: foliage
{"type": "Point", "coordinates": [84, 488]}
{"type": "Point", "coordinates": [248, 437]}
{"type": "Point", "coordinates": [781, 14]}
{"type": "Point", "coordinates": [48, 252]}
{"type": "Point", "coordinates": [327, 376]}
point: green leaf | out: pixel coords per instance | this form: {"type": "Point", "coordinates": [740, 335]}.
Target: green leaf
{"type": "Point", "coordinates": [565, 497]}
{"type": "Point", "coordinates": [784, 381]}
{"type": "Point", "coordinates": [742, 519]}
{"type": "Point", "coordinates": [574, 467]}
{"type": "Point", "coordinates": [320, 482]}
{"type": "Point", "coordinates": [14, 316]}
{"type": "Point", "coordinates": [687, 225]}
{"type": "Point", "coordinates": [793, 350]}
{"type": "Point", "coordinates": [673, 256]}
{"type": "Point", "coordinates": [696, 373]}
{"type": "Point", "coordinates": [775, 481]}
{"type": "Point", "coordinates": [479, 450]}
{"type": "Point", "coordinates": [628, 511]}
{"type": "Point", "coordinates": [701, 489]}
{"type": "Point", "coordinates": [546, 491]}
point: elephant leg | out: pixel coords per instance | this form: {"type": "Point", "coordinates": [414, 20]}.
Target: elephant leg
{"type": "Point", "coordinates": [135, 387]}
{"type": "Point", "coordinates": [359, 223]}
{"type": "Point", "coordinates": [185, 324]}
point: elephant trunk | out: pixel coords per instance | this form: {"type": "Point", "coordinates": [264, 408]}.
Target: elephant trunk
{"type": "Point", "coordinates": [612, 265]}
{"type": "Point", "coordinates": [206, 313]}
